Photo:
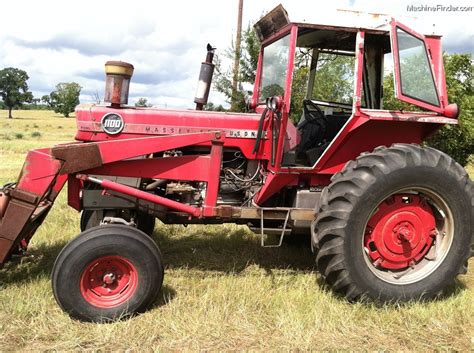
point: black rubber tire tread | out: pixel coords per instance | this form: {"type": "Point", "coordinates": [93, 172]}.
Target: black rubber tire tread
{"type": "Point", "coordinates": [89, 220]}
{"type": "Point", "coordinates": [346, 204]}
{"type": "Point", "coordinates": [145, 222]}
{"type": "Point", "coordinates": [96, 242]}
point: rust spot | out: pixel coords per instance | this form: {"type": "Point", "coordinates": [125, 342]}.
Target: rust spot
{"type": "Point", "coordinates": [78, 157]}
{"type": "Point", "coordinates": [4, 199]}
{"type": "Point", "coordinates": [5, 247]}
{"type": "Point", "coordinates": [16, 217]}
{"type": "Point", "coordinates": [25, 196]}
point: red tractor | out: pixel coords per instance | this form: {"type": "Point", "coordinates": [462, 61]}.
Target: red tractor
{"type": "Point", "coordinates": [390, 219]}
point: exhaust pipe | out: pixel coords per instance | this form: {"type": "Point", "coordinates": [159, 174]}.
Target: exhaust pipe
{"type": "Point", "coordinates": [205, 79]}
{"type": "Point", "coordinates": [117, 82]}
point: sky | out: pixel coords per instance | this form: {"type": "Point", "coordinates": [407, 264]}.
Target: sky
{"type": "Point", "coordinates": [64, 41]}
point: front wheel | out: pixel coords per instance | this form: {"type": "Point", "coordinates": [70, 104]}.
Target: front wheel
{"type": "Point", "coordinates": [395, 225]}
{"type": "Point", "coordinates": [106, 273]}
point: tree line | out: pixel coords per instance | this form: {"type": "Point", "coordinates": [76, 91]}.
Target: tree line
{"type": "Point", "coordinates": [15, 93]}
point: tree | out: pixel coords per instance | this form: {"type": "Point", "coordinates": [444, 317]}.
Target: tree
{"type": "Point", "coordinates": [214, 108]}
{"type": "Point", "coordinates": [237, 54]}
{"type": "Point", "coordinates": [96, 97]}
{"type": "Point", "coordinates": [455, 140]}
{"type": "Point", "coordinates": [142, 102]}
{"type": "Point", "coordinates": [65, 98]}
{"type": "Point", "coordinates": [14, 88]}
{"type": "Point", "coordinates": [46, 99]}
{"type": "Point", "coordinates": [247, 68]}
{"type": "Point", "coordinates": [458, 140]}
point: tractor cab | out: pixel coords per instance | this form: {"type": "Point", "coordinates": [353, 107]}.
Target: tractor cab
{"type": "Point", "coordinates": [327, 74]}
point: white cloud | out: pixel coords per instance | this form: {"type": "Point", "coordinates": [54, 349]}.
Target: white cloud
{"type": "Point", "coordinates": [57, 41]}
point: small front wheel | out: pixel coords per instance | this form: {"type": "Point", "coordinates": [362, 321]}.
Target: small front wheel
{"type": "Point", "coordinates": [106, 273]}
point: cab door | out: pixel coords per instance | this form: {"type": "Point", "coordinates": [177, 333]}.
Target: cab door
{"type": "Point", "coordinates": [413, 69]}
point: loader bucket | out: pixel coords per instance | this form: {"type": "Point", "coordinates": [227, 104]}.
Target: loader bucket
{"type": "Point", "coordinates": [25, 204]}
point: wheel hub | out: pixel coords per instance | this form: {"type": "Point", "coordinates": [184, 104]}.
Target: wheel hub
{"type": "Point", "coordinates": [108, 281]}
{"type": "Point", "coordinates": [400, 232]}
{"type": "Point", "coordinates": [109, 278]}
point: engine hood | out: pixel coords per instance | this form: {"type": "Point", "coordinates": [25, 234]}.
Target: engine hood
{"type": "Point", "coordinates": [130, 122]}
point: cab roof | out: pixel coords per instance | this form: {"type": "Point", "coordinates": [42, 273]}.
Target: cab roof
{"type": "Point", "coordinates": [342, 20]}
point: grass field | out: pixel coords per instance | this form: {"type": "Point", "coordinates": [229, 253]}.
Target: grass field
{"type": "Point", "coordinates": [221, 290]}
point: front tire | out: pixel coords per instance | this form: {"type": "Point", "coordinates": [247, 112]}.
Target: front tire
{"type": "Point", "coordinates": [106, 273]}
{"type": "Point", "coordinates": [395, 225]}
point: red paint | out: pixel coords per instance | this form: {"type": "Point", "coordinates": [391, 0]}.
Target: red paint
{"type": "Point", "coordinates": [213, 173]}
{"type": "Point", "coordinates": [358, 72]}
{"type": "Point", "coordinates": [452, 111]}
{"type": "Point", "coordinates": [74, 187]}
{"type": "Point", "coordinates": [39, 172]}
{"type": "Point", "coordinates": [175, 122]}
{"type": "Point", "coordinates": [112, 151]}
{"type": "Point", "coordinates": [400, 233]}
{"type": "Point", "coordinates": [188, 168]}
{"type": "Point", "coordinates": [109, 281]}
{"type": "Point", "coordinates": [433, 42]}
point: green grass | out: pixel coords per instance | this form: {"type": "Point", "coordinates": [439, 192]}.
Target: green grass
{"type": "Point", "coordinates": [221, 290]}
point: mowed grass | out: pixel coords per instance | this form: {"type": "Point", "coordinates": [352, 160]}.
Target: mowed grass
{"type": "Point", "coordinates": [221, 290]}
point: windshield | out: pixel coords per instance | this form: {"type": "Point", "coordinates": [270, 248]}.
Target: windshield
{"type": "Point", "coordinates": [275, 63]}
{"type": "Point", "coordinates": [415, 71]}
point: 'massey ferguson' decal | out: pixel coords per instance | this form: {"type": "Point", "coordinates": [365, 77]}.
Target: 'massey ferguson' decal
{"type": "Point", "coordinates": [146, 129]}
{"type": "Point", "coordinates": [112, 123]}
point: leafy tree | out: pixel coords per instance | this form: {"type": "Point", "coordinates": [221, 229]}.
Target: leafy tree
{"type": "Point", "coordinates": [390, 102]}
{"type": "Point", "coordinates": [335, 78]}
{"type": "Point", "coordinates": [142, 102]}
{"type": "Point", "coordinates": [46, 99]}
{"type": "Point", "coordinates": [298, 92]}
{"type": "Point", "coordinates": [65, 98]}
{"type": "Point", "coordinates": [458, 140]}
{"type": "Point", "coordinates": [247, 68]}
{"type": "Point", "coordinates": [249, 55]}
{"type": "Point", "coordinates": [14, 88]}
{"type": "Point", "coordinates": [455, 140]}
{"type": "Point", "coordinates": [214, 108]}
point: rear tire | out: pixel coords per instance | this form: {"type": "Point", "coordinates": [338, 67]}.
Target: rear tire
{"type": "Point", "coordinates": [107, 273]}
{"type": "Point", "coordinates": [395, 225]}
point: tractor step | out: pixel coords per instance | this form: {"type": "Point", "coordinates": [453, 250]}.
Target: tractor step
{"type": "Point", "coordinates": [277, 231]}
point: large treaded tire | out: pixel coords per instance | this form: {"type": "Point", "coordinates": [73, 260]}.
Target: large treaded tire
{"type": "Point", "coordinates": [348, 202]}
{"type": "Point", "coordinates": [79, 274]}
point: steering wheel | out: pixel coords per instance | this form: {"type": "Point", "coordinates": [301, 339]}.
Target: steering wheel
{"type": "Point", "coordinates": [314, 113]}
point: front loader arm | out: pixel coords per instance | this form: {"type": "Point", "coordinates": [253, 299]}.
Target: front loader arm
{"type": "Point", "coordinates": [24, 205]}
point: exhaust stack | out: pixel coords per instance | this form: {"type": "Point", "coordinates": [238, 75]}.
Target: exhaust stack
{"type": "Point", "coordinates": [117, 83]}
{"type": "Point", "coordinates": [205, 79]}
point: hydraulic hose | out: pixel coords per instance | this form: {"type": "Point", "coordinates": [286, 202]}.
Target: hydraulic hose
{"type": "Point", "coordinates": [260, 131]}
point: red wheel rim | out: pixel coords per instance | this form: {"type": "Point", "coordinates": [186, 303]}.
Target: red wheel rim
{"type": "Point", "coordinates": [400, 233]}
{"type": "Point", "coordinates": [108, 281]}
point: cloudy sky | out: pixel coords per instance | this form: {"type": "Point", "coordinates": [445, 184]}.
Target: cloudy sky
{"type": "Point", "coordinates": [63, 41]}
